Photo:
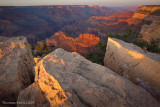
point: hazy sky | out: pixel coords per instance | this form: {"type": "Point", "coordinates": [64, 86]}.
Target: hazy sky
{"type": "Point", "coordinates": [80, 2]}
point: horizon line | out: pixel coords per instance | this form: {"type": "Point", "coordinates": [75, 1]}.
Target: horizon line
{"type": "Point", "coordinates": [73, 5]}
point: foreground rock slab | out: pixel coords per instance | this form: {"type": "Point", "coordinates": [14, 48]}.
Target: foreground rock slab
{"type": "Point", "coordinates": [16, 67]}
{"type": "Point", "coordinates": [68, 79]}
{"type": "Point", "coordinates": [128, 60]}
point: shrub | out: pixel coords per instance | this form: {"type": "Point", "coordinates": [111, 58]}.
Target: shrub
{"type": "Point", "coordinates": [154, 46]}
{"type": "Point", "coordinates": [41, 49]}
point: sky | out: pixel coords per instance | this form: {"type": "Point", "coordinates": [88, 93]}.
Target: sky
{"type": "Point", "coordinates": [116, 3]}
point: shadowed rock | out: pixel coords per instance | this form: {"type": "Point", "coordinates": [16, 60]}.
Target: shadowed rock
{"type": "Point", "coordinates": [16, 67]}
{"type": "Point", "coordinates": [32, 96]}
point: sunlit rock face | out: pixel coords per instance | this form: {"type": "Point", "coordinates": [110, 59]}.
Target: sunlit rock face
{"type": "Point", "coordinates": [68, 79]}
{"type": "Point", "coordinates": [112, 23]}
{"type": "Point", "coordinates": [113, 19]}
{"type": "Point", "coordinates": [152, 31]}
{"type": "Point", "coordinates": [84, 44]}
{"type": "Point", "coordinates": [37, 59]}
{"type": "Point", "coordinates": [133, 63]}
{"type": "Point", "coordinates": [16, 67]}
{"type": "Point", "coordinates": [146, 13]}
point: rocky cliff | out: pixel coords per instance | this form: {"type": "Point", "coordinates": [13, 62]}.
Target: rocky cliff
{"type": "Point", "coordinates": [16, 67]}
{"type": "Point", "coordinates": [133, 63]}
{"type": "Point", "coordinates": [152, 31]}
{"type": "Point", "coordinates": [68, 79]}
{"type": "Point", "coordinates": [114, 17]}
{"type": "Point", "coordinates": [83, 44]}
{"type": "Point", "coordinates": [147, 13]}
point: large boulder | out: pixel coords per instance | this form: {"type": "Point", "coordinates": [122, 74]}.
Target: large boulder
{"type": "Point", "coordinates": [68, 79]}
{"type": "Point", "coordinates": [16, 67]}
{"type": "Point", "coordinates": [135, 64]}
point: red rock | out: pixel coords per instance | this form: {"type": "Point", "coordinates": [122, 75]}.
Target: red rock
{"type": "Point", "coordinates": [84, 44]}
{"type": "Point", "coordinates": [114, 17]}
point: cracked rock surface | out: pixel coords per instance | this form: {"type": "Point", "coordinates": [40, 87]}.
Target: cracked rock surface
{"type": "Point", "coordinates": [69, 80]}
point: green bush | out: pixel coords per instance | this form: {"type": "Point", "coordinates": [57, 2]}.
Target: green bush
{"type": "Point", "coordinates": [154, 46]}
{"type": "Point", "coordinates": [41, 48]}
{"type": "Point", "coordinates": [141, 43]}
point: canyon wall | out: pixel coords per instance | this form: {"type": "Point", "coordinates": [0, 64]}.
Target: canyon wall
{"type": "Point", "coordinates": [152, 31]}
{"type": "Point", "coordinates": [146, 13]}
{"type": "Point", "coordinates": [83, 44]}
{"type": "Point", "coordinates": [135, 64]}
{"type": "Point", "coordinates": [68, 79]}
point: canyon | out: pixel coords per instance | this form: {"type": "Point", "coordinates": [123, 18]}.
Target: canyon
{"type": "Point", "coordinates": [65, 78]}
{"type": "Point", "coordinates": [144, 20]}
{"type": "Point", "coordinates": [39, 22]}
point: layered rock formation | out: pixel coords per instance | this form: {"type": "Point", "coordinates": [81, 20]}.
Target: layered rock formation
{"type": "Point", "coordinates": [152, 31]}
{"type": "Point", "coordinates": [121, 21]}
{"type": "Point", "coordinates": [68, 79]}
{"type": "Point", "coordinates": [147, 13]}
{"type": "Point", "coordinates": [16, 67]}
{"type": "Point", "coordinates": [114, 17]}
{"type": "Point", "coordinates": [84, 44]}
{"type": "Point", "coordinates": [133, 63]}
{"type": "Point", "coordinates": [113, 23]}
